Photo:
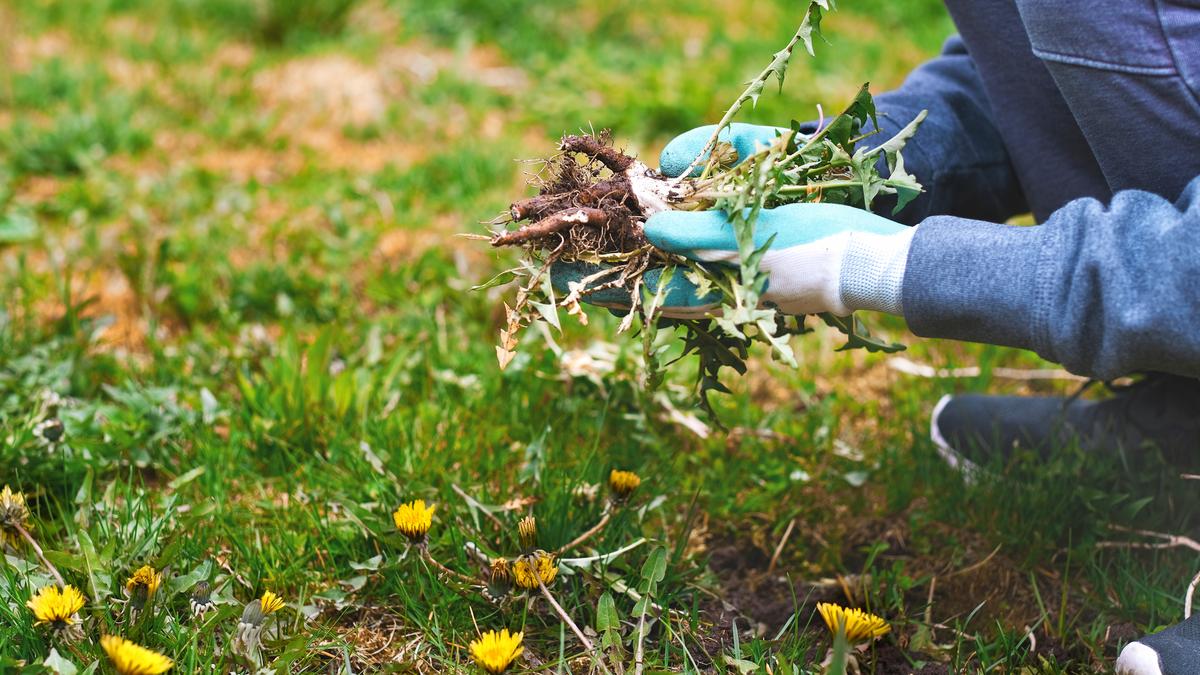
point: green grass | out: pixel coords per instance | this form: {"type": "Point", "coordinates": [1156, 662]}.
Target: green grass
{"type": "Point", "coordinates": [253, 299]}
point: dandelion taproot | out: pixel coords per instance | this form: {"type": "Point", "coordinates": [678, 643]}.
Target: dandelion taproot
{"type": "Point", "coordinates": [535, 569]}
{"type": "Point", "coordinates": [860, 626]}
{"type": "Point", "coordinates": [414, 520]}
{"type": "Point", "coordinates": [496, 651]}
{"type": "Point", "coordinates": [623, 483]}
{"type": "Point", "coordinates": [133, 659]}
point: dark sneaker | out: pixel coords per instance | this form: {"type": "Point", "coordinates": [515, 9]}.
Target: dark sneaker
{"type": "Point", "coordinates": [1162, 411]}
{"type": "Point", "coordinates": [1171, 651]}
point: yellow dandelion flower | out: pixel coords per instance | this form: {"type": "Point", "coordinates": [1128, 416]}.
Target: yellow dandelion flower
{"type": "Point", "coordinates": [13, 510]}
{"type": "Point", "coordinates": [56, 607]}
{"type": "Point", "coordinates": [270, 602]}
{"type": "Point", "coordinates": [547, 568]}
{"type": "Point", "coordinates": [623, 483]}
{"type": "Point", "coordinates": [860, 626]}
{"type": "Point", "coordinates": [414, 520]}
{"type": "Point", "coordinates": [495, 652]}
{"type": "Point", "coordinates": [527, 530]}
{"type": "Point", "coordinates": [133, 659]}
{"type": "Point", "coordinates": [145, 578]}
{"type": "Point", "coordinates": [537, 568]}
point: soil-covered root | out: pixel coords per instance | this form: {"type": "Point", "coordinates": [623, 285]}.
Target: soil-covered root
{"type": "Point", "coordinates": [552, 224]}
{"type": "Point", "coordinates": [599, 148]}
{"type": "Point", "coordinates": [584, 207]}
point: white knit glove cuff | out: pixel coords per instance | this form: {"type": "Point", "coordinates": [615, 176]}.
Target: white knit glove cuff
{"type": "Point", "coordinates": [872, 274]}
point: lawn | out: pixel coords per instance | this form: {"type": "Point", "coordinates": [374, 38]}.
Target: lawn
{"type": "Point", "coordinates": [238, 330]}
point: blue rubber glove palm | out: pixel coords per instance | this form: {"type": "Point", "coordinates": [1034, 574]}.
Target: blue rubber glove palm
{"type": "Point", "coordinates": [824, 257]}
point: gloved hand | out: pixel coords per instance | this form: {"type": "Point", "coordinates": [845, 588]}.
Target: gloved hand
{"type": "Point", "coordinates": [682, 149]}
{"type": "Point", "coordinates": [824, 257]}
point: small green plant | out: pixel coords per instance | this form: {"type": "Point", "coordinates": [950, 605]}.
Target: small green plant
{"type": "Point", "coordinates": [74, 140]}
{"type": "Point", "coordinates": [280, 21]}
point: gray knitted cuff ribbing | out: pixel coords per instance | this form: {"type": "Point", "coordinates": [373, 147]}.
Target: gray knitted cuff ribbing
{"type": "Point", "coordinates": [873, 271]}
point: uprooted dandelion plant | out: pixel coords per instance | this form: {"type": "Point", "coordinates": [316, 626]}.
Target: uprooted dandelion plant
{"type": "Point", "coordinates": [593, 200]}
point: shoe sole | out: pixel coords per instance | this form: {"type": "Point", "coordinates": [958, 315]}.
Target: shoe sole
{"type": "Point", "coordinates": [1138, 659]}
{"type": "Point", "coordinates": [949, 455]}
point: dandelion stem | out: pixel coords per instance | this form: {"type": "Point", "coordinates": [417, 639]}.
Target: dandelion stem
{"type": "Point", "coordinates": [607, 516]}
{"type": "Point", "coordinates": [41, 556]}
{"type": "Point", "coordinates": [753, 88]}
{"type": "Point", "coordinates": [446, 570]}
{"type": "Point", "coordinates": [562, 613]}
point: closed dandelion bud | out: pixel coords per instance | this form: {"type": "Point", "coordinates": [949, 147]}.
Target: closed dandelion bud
{"type": "Point", "coordinates": [499, 579]}
{"type": "Point", "coordinates": [725, 155]}
{"type": "Point", "coordinates": [201, 599]}
{"type": "Point", "coordinates": [252, 614]}
{"type": "Point", "coordinates": [527, 529]}
{"type": "Point", "coordinates": [500, 570]}
{"type": "Point", "coordinates": [247, 639]}
{"type": "Point", "coordinates": [623, 483]}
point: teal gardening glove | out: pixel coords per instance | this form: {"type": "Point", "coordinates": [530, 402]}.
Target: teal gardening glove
{"type": "Point", "coordinates": [824, 257]}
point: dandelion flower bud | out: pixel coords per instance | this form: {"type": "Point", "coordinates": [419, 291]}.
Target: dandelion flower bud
{"type": "Point", "coordinates": [252, 614]}
{"type": "Point", "coordinates": [201, 600]}
{"type": "Point", "coordinates": [499, 579]}
{"type": "Point", "coordinates": [527, 529]}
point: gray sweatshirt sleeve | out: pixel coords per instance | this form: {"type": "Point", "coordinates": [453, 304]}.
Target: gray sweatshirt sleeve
{"type": "Point", "coordinates": [958, 154]}
{"type": "Point", "coordinates": [1105, 291]}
